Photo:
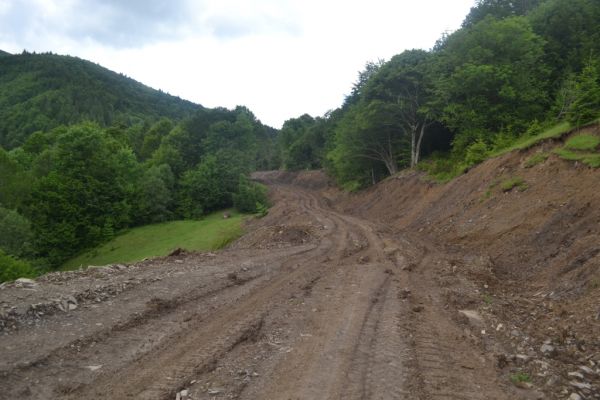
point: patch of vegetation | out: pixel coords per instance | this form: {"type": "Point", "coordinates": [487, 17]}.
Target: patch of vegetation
{"type": "Point", "coordinates": [537, 158]}
{"type": "Point", "coordinates": [581, 148]}
{"type": "Point", "coordinates": [513, 183]}
{"type": "Point", "coordinates": [487, 299]}
{"type": "Point", "coordinates": [527, 141]}
{"type": "Point", "coordinates": [583, 142]}
{"type": "Point", "coordinates": [520, 377]}
{"type": "Point", "coordinates": [210, 233]}
{"type": "Point", "coordinates": [12, 268]}
{"type": "Point", "coordinates": [442, 168]}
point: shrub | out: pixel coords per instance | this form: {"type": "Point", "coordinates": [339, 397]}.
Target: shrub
{"type": "Point", "coordinates": [512, 183]}
{"type": "Point", "coordinates": [251, 197]}
{"type": "Point", "coordinates": [476, 153]}
{"type": "Point", "coordinates": [12, 268]}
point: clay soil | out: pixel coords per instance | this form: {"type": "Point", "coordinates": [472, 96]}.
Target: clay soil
{"type": "Point", "coordinates": [409, 290]}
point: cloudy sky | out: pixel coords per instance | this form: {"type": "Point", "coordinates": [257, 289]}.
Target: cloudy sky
{"type": "Point", "coordinates": [281, 58]}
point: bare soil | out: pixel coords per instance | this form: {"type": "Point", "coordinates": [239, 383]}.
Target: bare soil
{"type": "Point", "coordinates": [409, 290]}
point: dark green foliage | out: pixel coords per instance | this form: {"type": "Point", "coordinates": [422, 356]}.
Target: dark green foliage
{"type": "Point", "coordinates": [154, 200]}
{"type": "Point", "coordinates": [499, 9]}
{"type": "Point", "coordinates": [12, 268]}
{"type": "Point", "coordinates": [41, 91]}
{"type": "Point", "coordinates": [476, 153]}
{"type": "Point", "coordinates": [203, 190]}
{"type": "Point", "coordinates": [16, 236]}
{"type": "Point", "coordinates": [83, 198]}
{"type": "Point", "coordinates": [4, 53]}
{"type": "Point", "coordinates": [251, 197]}
{"type": "Point", "coordinates": [585, 106]}
{"type": "Point", "coordinates": [302, 142]}
{"type": "Point", "coordinates": [496, 81]}
{"type": "Point", "coordinates": [571, 33]}
{"type": "Point", "coordinates": [14, 179]}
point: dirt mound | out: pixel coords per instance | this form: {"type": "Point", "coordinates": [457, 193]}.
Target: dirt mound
{"type": "Point", "coordinates": [303, 179]}
{"type": "Point", "coordinates": [527, 234]}
{"type": "Point", "coordinates": [277, 236]}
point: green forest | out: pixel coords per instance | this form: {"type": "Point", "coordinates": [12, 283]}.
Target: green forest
{"type": "Point", "coordinates": [515, 69]}
{"type": "Point", "coordinates": [117, 155]}
{"type": "Point", "coordinates": [86, 153]}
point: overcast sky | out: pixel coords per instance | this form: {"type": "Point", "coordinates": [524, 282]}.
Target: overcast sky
{"type": "Point", "coordinates": [280, 58]}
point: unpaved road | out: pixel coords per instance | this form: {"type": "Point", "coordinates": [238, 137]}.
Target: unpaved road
{"type": "Point", "coordinates": [313, 304]}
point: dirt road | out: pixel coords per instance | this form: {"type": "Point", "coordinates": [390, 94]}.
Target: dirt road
{"type": "Point", "coordinates": [312, 304]}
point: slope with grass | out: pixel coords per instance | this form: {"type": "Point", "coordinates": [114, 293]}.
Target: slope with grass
{"type": "Point", "coordinates": [210, 233]}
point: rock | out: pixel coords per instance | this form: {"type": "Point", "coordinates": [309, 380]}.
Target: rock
{"type": "Point", "coordinates": [515, 333]}
{"type": "Point", "coordinates": [25, 283]}
{"type": "Point", "coordinates": [404, 293]}
{"type": "Point", "coordinates": [418, 309]}
{"type": "Point", "coordinates": [71, 299]}
{"type": "Point", "coordinates": [184, 394]}
{"type": "Point", "coordinates": [214, 391]}
{"type": "Point", "coordinates": [72, 307]}
{"type": "Point", "coordinates": [523, 385]}
{"type": "Point", "coordinates": [580, 385]}
{"type": "Point", "coordinates": [587, 370]}
{"type": "Point", "coordinates": [547, 350]}
{"type": "Point", "coordinates": [577, 375]}
{"type": "Point", "coordinates": [94, 367]}
{"type": "Point", "coordinates": [522, 358]}
{"type": "Point", "coordinates": [575, 396]}
{"type": "Point", "coordinates": [473, 316]}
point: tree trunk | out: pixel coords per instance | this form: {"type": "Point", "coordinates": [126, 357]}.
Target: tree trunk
{"type": "Point", "coordinates": [419, 141]}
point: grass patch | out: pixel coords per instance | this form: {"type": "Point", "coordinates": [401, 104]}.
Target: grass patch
{"type": "Point", "coordinates": [520, 377]}
{"type": "Point", "coordinates": [581, 148]}
{"type": "Point", "coordinates": [487, 299]}
{"type": "Point", "coordinates": [584, 142]}
{"type": "Point", "coordinates": [536, 159]}
{"type": "Point", "coordinates": [513, 183]}
{"type": "Point", "coordinates": [210, 233]}
{"type": "Point", "coordinates": [527, 142]}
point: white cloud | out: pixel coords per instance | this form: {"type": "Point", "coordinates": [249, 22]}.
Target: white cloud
{"type": "Point", "coordinates": [279, 58]}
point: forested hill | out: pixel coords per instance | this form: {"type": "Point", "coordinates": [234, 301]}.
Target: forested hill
{"type": "Point", "coordinates": [514, 71]}
{"type": "Point", "coordinates": [3, 53]}
{"type": "Point", "coordinates": [41, 91]}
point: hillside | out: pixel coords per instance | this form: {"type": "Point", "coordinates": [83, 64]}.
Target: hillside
{"type": "Point", "coordinates": [4, 53]}
{"type": "Point", "coordinates": [485, 287]}
{"type": "Point", "coordinates": [41, 91]}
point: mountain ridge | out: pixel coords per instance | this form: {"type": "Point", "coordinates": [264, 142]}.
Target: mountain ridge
{"type": "Point", "coordinates": [39, 92]}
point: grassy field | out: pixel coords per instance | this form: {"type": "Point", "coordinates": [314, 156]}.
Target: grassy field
{"type": "Point", "coordinates": [210, 233]}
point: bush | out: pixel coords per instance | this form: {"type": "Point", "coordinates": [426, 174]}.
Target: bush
{"type": "Point", "coordinates": [512, 183]}
{"type": "Point", "coordinates": [251, 197]}
{"type": "Point", "coordinates": [476, 153]}
{"type": "Point", "coordinates": [12, 268]}
{"type": "Point", "coordinates": [583, 142]}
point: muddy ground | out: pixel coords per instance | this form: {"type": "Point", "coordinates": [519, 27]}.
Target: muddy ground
{"type": "Point", "coordinates": [410, 290]}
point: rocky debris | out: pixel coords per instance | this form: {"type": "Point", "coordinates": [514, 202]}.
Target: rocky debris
{"type": "Point", "coordinates": [418, 308]}
{"type": "Point", "coordinates": [182, 395]}
{"type": "Point", "coordinates": [404, 293]}
{"type": "Point", "coordinates": [472, 316]}
{"type": "Point", "coordinates": [548, 350]}
{"type": "Point", "coordinates": [25, 283]}
{"type": "Point", "coordinates": [575, 396]}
